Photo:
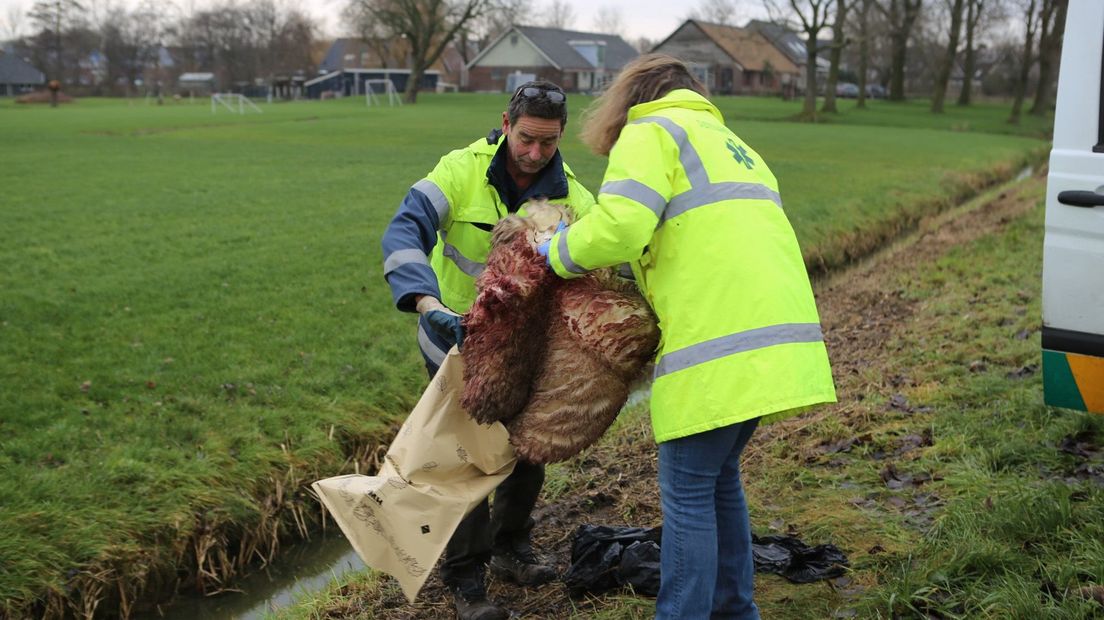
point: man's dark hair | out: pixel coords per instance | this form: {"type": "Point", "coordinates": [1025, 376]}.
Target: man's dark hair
{"type": "Point", "coordinates": [538, 104]}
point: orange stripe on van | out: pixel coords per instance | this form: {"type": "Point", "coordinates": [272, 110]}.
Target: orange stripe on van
{"type": "Point", "coordinates": [1088, 372]}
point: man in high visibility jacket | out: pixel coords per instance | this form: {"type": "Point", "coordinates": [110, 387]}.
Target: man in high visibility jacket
{"type": "Point", "coordinates": [697, 214]}
{"type": "Point", "coordinates": [433, 249]}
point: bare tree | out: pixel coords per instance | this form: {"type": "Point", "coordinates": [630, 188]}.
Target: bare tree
{"type": "Point", "coordinates": [53, 18]}
{"type": "Point", "coordinates": [643, 44]}
{"type": "Point", "coordinates": [559, 15]}
{"type": "Point", "coordinates": [838, 41]}
{"type": "Point", "coordinates": [283, 38]}
{"type": "Point", "coordinates": [428, 25]}
{"type": "Point", "coordinates": [497, 17]}
{"type": "Point", "coordinates": [127, 45]}
{"type": "Point", "coordinates": [242, 42]}
{"type": "Point", "coordinates": [864, 50]}
{"type": "Point", "coordinates": [1053, 21]}
{"type": "Point", "coordinates": [813, 15]}
{"type": "Point", "coordinates": [12, 22]}
{"type": "Point", "coordinates": [715, 12]}
{"type": "Point", "coordinates": [974, 11]}
{"type": "Point", "coordinates": [901, 15]}
{"type": "Point", "coordinates": [374, 34]}
{"type": "Point", "coordinates": [943, 76]}
{"type": "Point", "coordinates": [609, 20]}
{"type": "Point", "coordinates": [1031, 27]}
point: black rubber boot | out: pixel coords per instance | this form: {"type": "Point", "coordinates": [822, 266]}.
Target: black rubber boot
{"type": "Point", "coordinates": [475, 606]}
{"type": "Point", "coordinates": [521, 566]}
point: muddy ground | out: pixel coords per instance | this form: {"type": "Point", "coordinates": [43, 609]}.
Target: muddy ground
{"type": "Point", "coordinates": [616, 485]}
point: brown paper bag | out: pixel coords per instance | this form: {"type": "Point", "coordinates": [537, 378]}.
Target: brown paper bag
{"type": "Point", "coordinates": [440, 465]}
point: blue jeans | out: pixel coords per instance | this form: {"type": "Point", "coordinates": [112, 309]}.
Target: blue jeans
{"type": "Point", "coordinates": [706, 565]}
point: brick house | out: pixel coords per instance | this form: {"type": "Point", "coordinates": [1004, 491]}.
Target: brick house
{"type": "Point", "coordinates": [577, 61]}
{"type": "Point", "coordinates": [730, 60]}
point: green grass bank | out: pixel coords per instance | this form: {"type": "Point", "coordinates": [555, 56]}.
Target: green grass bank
{"type": "Point", "coordinates": [956, 491]}
{"type": "Point", "coordinates": [193, 323]}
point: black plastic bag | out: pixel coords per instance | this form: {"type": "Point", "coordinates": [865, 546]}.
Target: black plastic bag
{"type": "Point", "coordinates": [605, 557]}
{"type": "Point", "coordinates": [597, 555]}
{"type": "Point", "coordinates": [796, 561]}
{"type": "Point", "coordinates": [640, 567]}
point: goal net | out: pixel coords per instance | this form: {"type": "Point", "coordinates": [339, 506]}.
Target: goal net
{"type": "Point", "coordinates": [374, 90]}
{"type": "Point", "coordinates": [233, 102]}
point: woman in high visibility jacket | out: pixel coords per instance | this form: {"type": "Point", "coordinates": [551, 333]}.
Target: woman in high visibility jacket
{"type": "Point", "coordinates": [697, 215]}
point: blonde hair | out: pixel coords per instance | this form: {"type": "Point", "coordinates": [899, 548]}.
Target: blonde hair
{"type": "Point", "coordinates": [647, 78]}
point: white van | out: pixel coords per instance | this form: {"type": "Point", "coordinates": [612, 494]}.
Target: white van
{"type": "Point", "coordinates": [1073, 251]}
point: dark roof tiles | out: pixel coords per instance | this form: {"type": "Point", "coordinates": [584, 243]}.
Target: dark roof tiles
{"type": "Point", "coordinates": [15, 70]}
{"type": "Point", "coordinates": [556, 44]}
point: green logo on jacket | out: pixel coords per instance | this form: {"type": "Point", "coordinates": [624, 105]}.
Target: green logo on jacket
{"type": "Point", "coordinates": [739, 153]}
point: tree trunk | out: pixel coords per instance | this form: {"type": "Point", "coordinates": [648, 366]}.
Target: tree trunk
{"type": "Point", "coordinates": [808, 111]}
{"type": "Point", "coordinates": [834, 58]}
{"type": "Point", "coordinates": [410, 95]}
{"type": "Point", "coordinates": [1050, 47]}
{"type": "Point", "coordinates": [1025, 66]}
{"type": "Point", "coordinates": [944, 75]}
{"type": "Point", "coordinates": [902, 15]}
{"type": "Point", "coordinates": [897, 67]}
{"type": "Point", "coordinates": [811, 27]}
{"type": "Point", "coordinates": [969, 63]}
{"type": "Point", "coordinates": [864, 51]}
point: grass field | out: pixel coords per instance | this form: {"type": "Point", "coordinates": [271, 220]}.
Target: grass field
{"type": "Point", "coordinates": [193, 322]}
{"type": "Point", "coordinates": [986, 117]}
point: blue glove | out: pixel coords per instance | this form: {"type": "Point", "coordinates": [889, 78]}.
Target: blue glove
{"type": "Point", "coordinates": [542, 249]}
{"type": "Point", "coordinates": [446, 325]}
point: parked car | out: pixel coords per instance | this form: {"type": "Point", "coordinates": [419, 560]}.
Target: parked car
{"type": "Point", "coordinates": [1073, 246]}
{"type": "Point", "coordinates": [875, 91]}
{"type": "Point", "coordinates": [847, 90]}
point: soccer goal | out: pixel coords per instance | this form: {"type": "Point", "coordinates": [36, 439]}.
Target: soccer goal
{"type": "Point", "coordinates": [373, 89]}
{"type": "Point", "coordinates": [233, 102]}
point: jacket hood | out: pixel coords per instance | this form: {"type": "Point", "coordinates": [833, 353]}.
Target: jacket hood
{"type": "Point", "coordinates": [679, 98]}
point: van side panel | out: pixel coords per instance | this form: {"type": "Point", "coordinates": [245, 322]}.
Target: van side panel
{"type": "Point", "coordinates": [1088, 372]}
{"type": "Point", "coordinates": [1073, 249]}
{"type": "Point", "coordinates": [1060, 389]}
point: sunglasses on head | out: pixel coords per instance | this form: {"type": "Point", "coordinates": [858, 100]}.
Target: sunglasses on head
{"type": "Point", "coordinates": [532, 92]}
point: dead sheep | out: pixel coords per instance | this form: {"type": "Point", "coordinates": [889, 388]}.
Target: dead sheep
{"type": "Point", "coordinates": [552, 359]}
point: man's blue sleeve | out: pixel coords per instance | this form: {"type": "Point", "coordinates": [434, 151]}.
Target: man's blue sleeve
{"type": "Point", "coordinates": [407, 242]}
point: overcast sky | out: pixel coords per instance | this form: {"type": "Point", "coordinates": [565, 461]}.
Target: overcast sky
{"type": "Point", "coordinates": [654, 19]}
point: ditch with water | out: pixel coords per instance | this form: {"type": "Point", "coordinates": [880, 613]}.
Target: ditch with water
{"type": "Point", "coordinates": [301, 568]}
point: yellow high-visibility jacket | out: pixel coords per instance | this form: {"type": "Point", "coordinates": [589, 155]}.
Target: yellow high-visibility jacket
{"type": "Point", "coordinates": [439, 239]}
{"type": "Point", "coordinates": [697, 214]}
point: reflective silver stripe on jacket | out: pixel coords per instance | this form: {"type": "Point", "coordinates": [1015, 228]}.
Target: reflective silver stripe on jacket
{"type": "Point", "coordinates": [701, 191]}
{"type": "Point", "coordinates": [398, 258]}
{"type": "Point", "coordinates": [436, 198]}
{"type": "Point", "coordinates": [636, 191]}
{"type": "Point", "coordinates": [432, 351]}
{"type": "Point", "coordinates": [465, 264]}
{"type": "Point", "coordinates": [785, 333]}
{"type": "Point", "coordinates": [565, 254]}
{"type": "Point", "coordinates": [688, 157]}
{"type": "Point", "coordinates": [716, 192]}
